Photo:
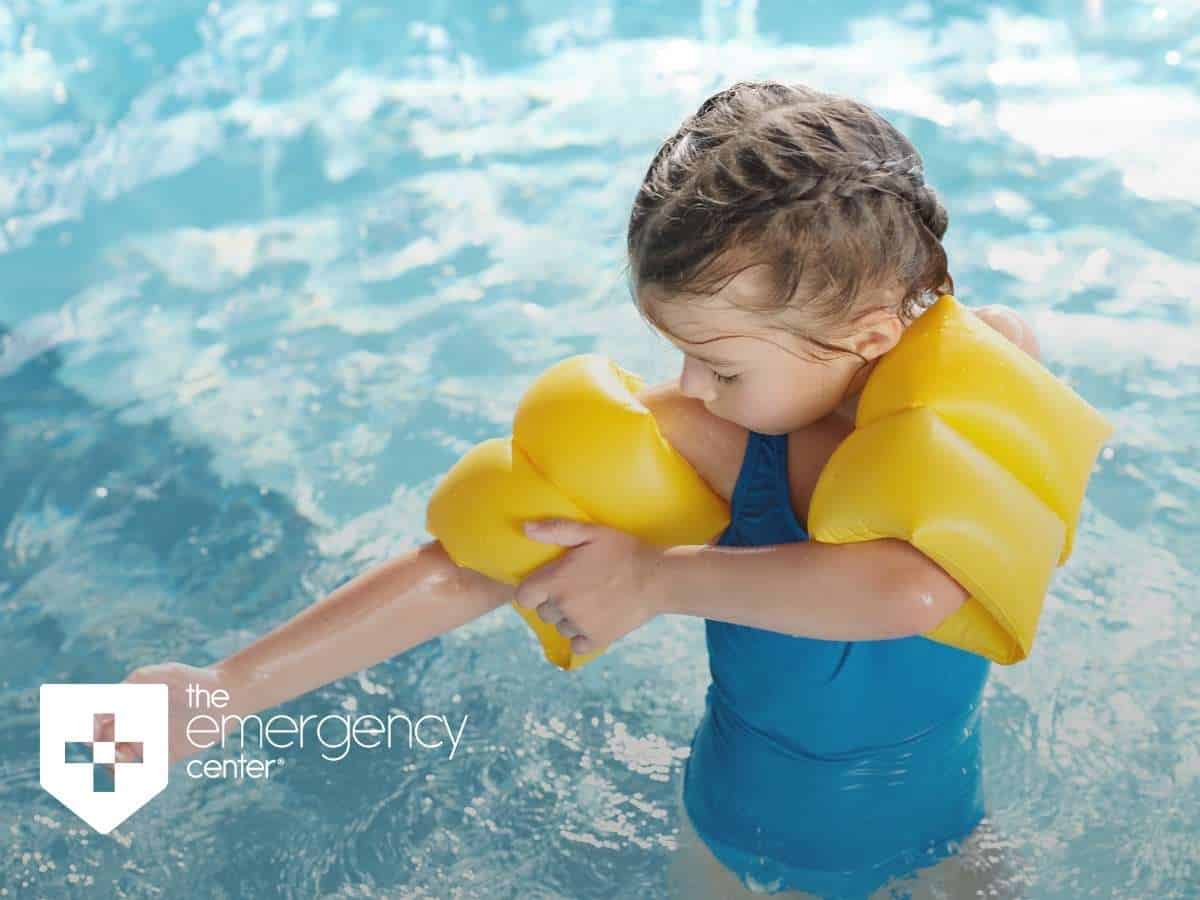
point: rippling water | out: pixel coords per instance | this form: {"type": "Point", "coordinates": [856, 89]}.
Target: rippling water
{"type": "Point", "coordinates": [268, 268]}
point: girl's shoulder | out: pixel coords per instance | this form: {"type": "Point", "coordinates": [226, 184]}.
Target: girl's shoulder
{"type": "Point", "coordinates": [712, 446]}
{"type": "Point", "coordinates": [1009, 323]}
{"type": "Point", "coordinates": [809, 450]}
{"type": "Point", "coordinates": [715, 447]}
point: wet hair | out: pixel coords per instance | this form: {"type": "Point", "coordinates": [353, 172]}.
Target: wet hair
{"type": "Point", "coordinates": [818, 188]}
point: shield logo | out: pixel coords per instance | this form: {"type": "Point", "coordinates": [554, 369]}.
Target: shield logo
{"type": "Point", "coordinates": [104, 748]}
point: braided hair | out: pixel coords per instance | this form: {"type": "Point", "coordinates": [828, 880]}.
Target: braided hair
{"type": "Point", "coordinates": [819, 188]}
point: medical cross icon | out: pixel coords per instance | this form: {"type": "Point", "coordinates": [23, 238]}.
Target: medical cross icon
{"type": "Point", "coordinates": [103, 754]}
{"type": "Point", "coordinates": [68, 712]}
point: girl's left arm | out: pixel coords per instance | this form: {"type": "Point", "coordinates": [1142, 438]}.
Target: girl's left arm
{"type": "Point", "coordinates": [871, 590]}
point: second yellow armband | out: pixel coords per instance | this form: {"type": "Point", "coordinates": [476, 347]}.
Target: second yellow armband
{"type": "Point", "coordinates": [969, 449]}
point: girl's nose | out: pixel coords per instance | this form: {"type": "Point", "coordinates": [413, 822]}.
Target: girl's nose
{"type": "Point", "coordinates": [693, 381]}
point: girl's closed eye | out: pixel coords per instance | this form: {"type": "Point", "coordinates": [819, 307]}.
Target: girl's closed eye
{"type": "Point", "coordinates": [724, 379]}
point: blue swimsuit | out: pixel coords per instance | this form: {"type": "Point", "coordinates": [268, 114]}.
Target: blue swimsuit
{"type": "Point", "coordinates": [828, 766]}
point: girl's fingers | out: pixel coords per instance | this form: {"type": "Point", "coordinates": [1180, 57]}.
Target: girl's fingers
{"type": "Point", "coordinates": [581, 644]}
{"type": "Point", "coordinates": [549, 612]}
{"type": "Point", "coordinates": [567, 629]}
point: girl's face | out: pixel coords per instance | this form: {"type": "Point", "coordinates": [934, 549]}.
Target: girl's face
{"type": "Point", "coordinates": [762, 378]}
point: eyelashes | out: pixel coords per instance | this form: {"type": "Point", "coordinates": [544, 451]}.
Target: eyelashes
{"type": "Point", "coordinates": [724, 379]}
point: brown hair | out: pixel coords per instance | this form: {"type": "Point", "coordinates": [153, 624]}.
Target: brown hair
{"type": "Point", "coordinates": [819, 188]}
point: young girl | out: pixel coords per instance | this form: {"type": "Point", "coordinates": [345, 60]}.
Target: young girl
{"type": "Point", "coordinates": [782, 239]}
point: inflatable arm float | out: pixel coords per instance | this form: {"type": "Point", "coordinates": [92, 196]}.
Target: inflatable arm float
{"type": "Point", "coordinates": [583, 447]}
{"type": "Point", "coordinates": [968, 448]}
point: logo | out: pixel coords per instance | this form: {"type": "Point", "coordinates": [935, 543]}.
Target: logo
{"type": "Point", "coordinates": [104, 748]}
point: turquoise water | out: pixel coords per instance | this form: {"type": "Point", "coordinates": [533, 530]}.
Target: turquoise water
{"type": "Point", "coordinates": [267, 269]}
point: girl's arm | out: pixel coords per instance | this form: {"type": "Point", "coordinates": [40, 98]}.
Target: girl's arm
{"type": "Point", "coordinates": [380, 613]}
{"type": "Point", "coordinates": [384, 611]}
{"type": "Point", "coordinates": [872, 590]}
{"type": "Point", "coordinates": [866, 591]}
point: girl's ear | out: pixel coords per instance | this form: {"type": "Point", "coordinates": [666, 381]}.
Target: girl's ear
{"type": "Point", "coordinates": [878, 332]}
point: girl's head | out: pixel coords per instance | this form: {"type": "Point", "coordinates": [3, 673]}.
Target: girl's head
{"type": "Point", "coordinates": [783, 238]}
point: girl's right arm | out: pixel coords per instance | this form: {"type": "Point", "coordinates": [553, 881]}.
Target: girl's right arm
{"type": "Point", "coordinates": [380, 613]}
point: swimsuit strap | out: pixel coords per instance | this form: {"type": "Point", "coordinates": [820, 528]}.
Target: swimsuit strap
{"type": "Point", "coordinates": [762, 482]}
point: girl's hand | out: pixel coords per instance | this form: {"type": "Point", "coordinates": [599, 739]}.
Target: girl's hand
{"type": "Point", "coordinates": [597, 592]}
{"type": "Point", "coordinates": [177, 677]}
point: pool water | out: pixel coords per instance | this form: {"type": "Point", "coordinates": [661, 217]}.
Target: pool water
{"type": "Point", "coordinates": [267, 269]}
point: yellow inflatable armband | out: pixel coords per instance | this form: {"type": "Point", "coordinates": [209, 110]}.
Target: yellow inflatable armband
{"type": "Point", "coordinates": [969, 449]}
{"type": "Point", "coordinates": [584, 448]}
